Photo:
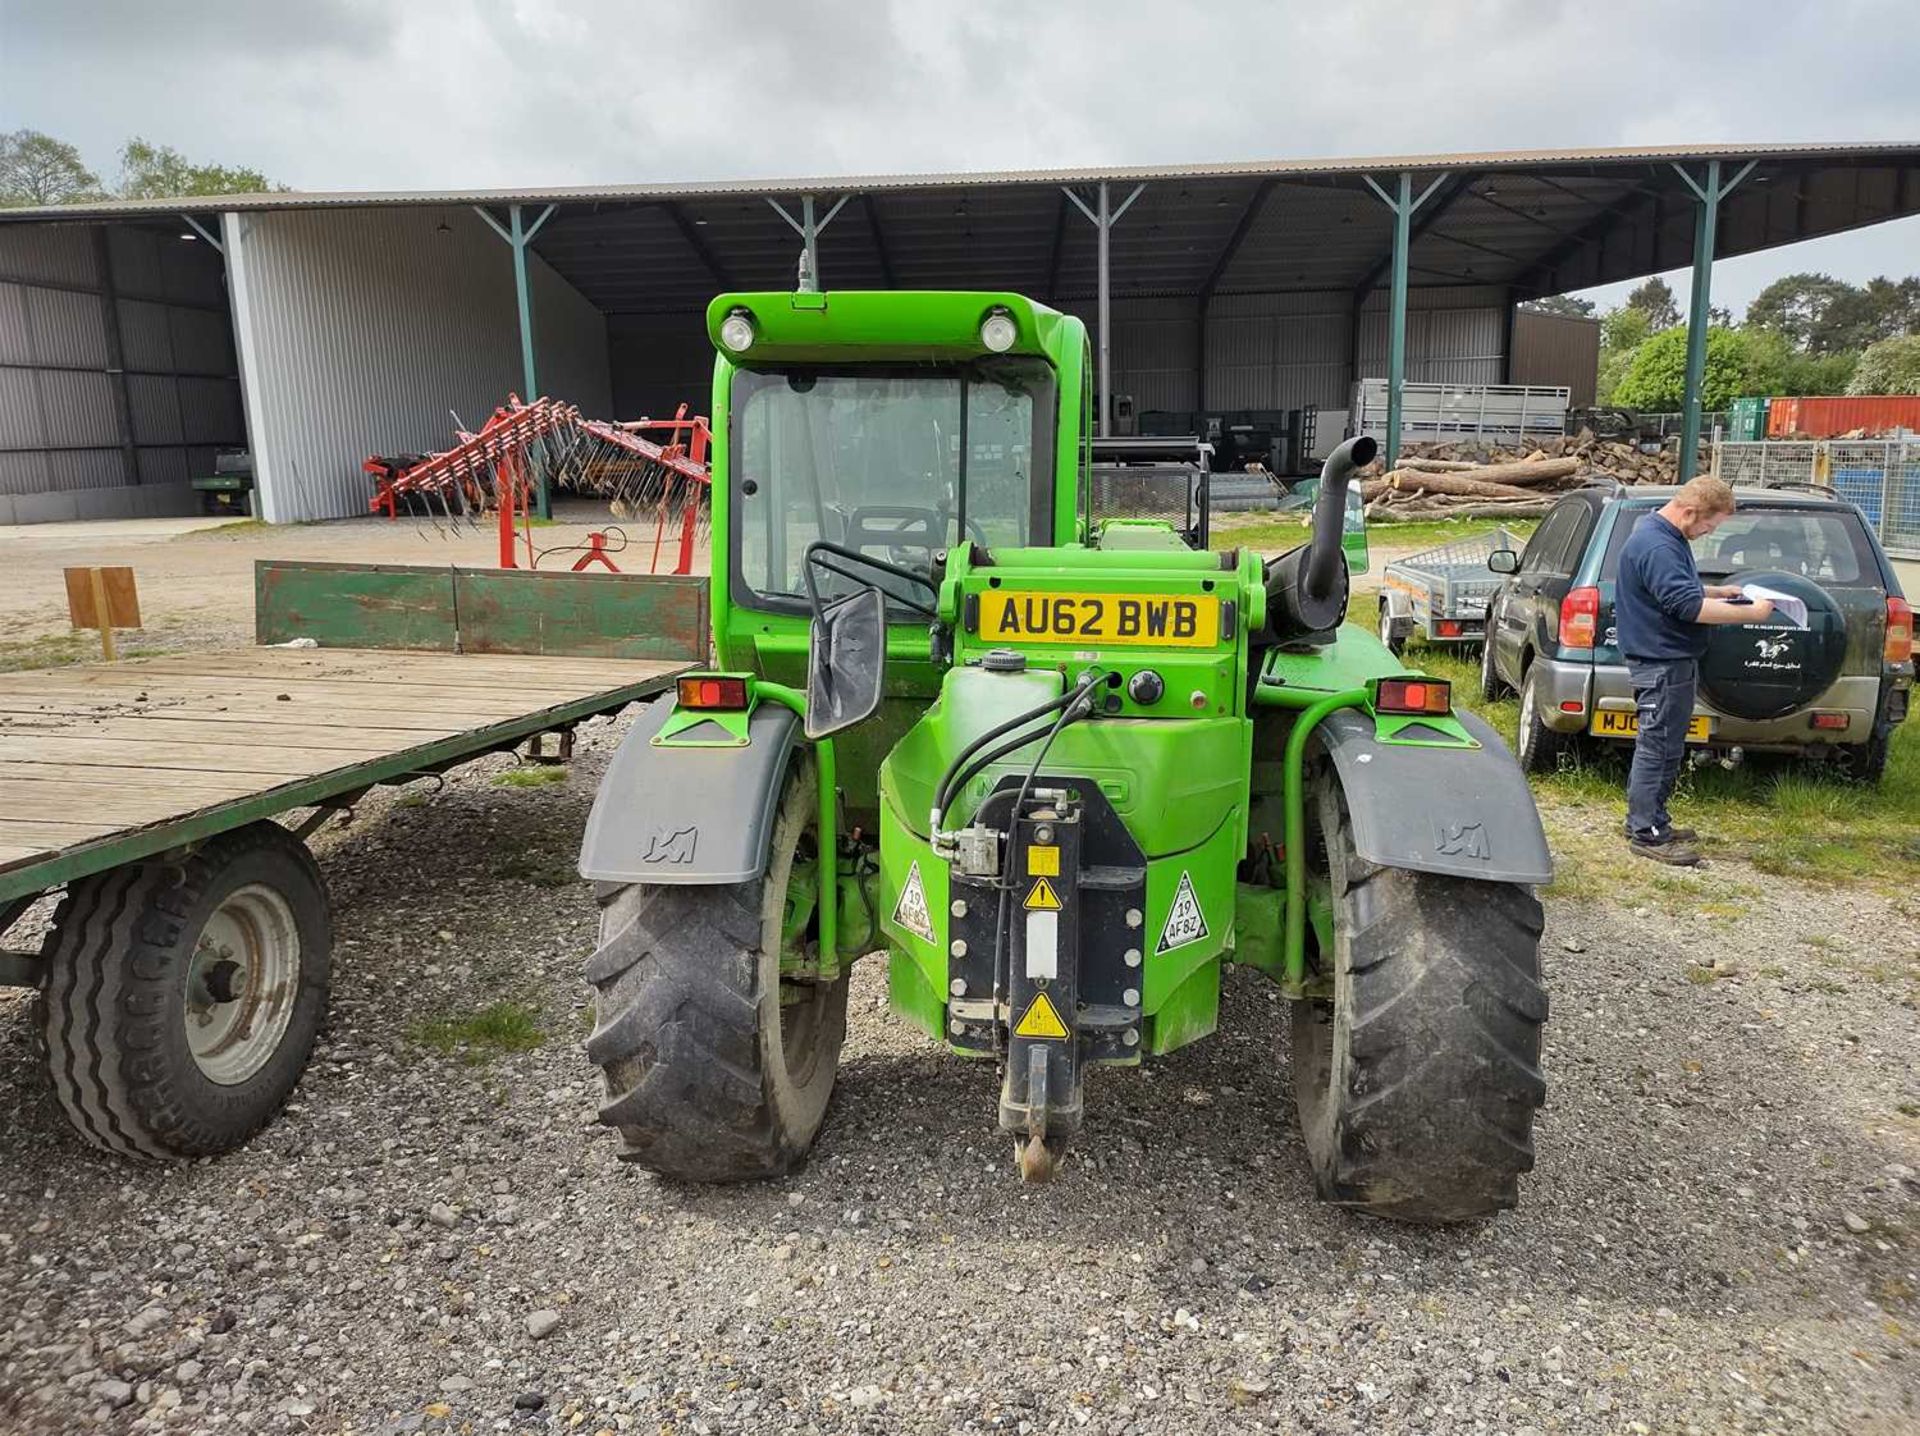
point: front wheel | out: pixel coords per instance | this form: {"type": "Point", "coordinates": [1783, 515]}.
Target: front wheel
{"type": "Point", "coordinates": [1389, 634]}
{"type": "Point", "coordinates": [183, 998]}
{"type": "Point", "coordinates": [715, 1067]}
{"type": "Point", "coordinates": [1418, 1082]}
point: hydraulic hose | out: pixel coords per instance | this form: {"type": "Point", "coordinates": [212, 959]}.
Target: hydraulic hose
{"type": "Point", "coordinates": [964, 768]}
{"type": "Point", "coordinates": [948, 783]}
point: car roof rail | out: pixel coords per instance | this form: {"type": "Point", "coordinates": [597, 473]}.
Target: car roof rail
{"type": "Point", "coordinates": [1826, 489]}
{"type": "Point", "coordinates": [1601, 481]}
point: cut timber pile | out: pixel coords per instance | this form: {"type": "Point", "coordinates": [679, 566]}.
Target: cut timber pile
{"type": "Point", "coordinates": [1473, 479]}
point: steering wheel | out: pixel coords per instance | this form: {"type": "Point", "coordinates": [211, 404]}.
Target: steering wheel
{"type": "Point", "coordinates": [835, 559]}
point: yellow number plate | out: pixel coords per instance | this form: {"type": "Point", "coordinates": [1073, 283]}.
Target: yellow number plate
{"type": "Point", "coordinates": [1161, 620]}
{"type": "Point", "coordinates": [1609, 724]}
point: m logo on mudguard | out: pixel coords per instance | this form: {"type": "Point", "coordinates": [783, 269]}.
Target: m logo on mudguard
{"type": "Point", "coordinates": [671, 845]}
{"type": "Point", "coordinates": [1461, 840]}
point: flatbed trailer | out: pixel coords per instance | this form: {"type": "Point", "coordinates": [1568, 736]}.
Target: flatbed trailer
{"type": "Point", "coordinates": [1442, 593]}
{"type": "Point", "coordinates": [185, 973]}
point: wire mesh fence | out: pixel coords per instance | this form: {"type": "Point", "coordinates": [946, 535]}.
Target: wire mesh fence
{"type": "Point", "coordinates": [1881, 476]}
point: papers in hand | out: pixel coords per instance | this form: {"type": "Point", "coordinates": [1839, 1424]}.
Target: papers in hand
{"type": "Point", "coordinates": [1785, 605]}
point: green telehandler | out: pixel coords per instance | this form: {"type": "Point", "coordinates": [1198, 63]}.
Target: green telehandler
{"type": "Point", "coordinates": [1059, 765]}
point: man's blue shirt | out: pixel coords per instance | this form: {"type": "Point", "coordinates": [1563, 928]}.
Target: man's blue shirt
{"type": "Point", "coordinates": [1658, 594]}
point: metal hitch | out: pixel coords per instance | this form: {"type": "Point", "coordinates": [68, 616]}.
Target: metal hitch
{"type": "Point", "coordinates": [1054, 937]}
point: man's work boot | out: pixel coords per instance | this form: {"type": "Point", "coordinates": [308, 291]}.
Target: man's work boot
{"type": "Point", "coordinates": [1666, 849]}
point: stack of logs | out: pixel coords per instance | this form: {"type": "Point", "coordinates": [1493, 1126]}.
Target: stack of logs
{"type": "Point", "coordinates": [1473, 479]}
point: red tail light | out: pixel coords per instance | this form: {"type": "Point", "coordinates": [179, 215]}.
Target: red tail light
{"type": "Point", "coordinates": [1899, 630]}
{"type": "Point", "coordinates": [1832, 722]}
{"type": "Point", "coordinates": [1414, 695]}
{"type": "Point", "coordinates": [1448, 628]}
{"type": "Point", "coordinates": [1580, 618]}
{"type": "Point", "coordinates": [706, 691]}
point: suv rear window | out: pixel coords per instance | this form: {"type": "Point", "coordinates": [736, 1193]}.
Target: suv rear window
{"type": "Point", "coordinates": [1826, 545]}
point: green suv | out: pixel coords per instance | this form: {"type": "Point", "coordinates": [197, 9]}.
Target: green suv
{"type": "Point", "coordinates": [1831, 691]}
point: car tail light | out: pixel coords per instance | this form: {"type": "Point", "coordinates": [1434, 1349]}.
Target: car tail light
{"type": "Point", "coordinates": [1414, 695]}
{"type": "Point", "coordinates": [1448, 628]}
{"type": "Point", "coordinates": [1899, 630]}
{"type": "Point", "coordinates": [707, 691]}
{"type": "Point", "coordinates": [1572, 705]}
{"type": "Point", "coordinates": [1579, 618]}
{"type": "Point", "coordinates": [1834, 722]}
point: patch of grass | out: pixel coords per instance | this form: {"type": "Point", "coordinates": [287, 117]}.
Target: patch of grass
{"type": "Point", "coordinates": [410, 800]}
{"type": "Point", "coordinates": [481, 1036]}
{"type": "Point", "coordinates": [1275, 534]}
{"type": "Point", "coordinates": [53, 650]}
{"type": "Point", "coordinates": [1701, 976]}
{"type": "Point", "coordinates": [534, 775]}
{"type": "Point", "coordinates": [233, 529]}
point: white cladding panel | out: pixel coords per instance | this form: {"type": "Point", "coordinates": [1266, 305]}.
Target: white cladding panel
{"type": "Point", "coordinates": [364, 331]}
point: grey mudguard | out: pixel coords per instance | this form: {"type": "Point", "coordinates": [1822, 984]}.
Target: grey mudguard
{"type": "Point", "coordinates": [1464, 811]}
{"type": "Point", "coordinates": [688, 815]}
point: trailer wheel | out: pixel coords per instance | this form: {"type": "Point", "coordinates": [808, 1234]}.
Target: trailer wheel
{"type": "Point", "coordinates": [183, 998]}
{"type": "Point", "coordinates": [1418, 1083]}
{"type": "Point", "coordinates": [1390, 635]}
{"type": "Point", "coordinates": [714, 1068]}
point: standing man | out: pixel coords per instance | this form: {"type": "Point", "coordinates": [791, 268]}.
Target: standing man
{"type": "Point", "coordinates": [1662, 612]}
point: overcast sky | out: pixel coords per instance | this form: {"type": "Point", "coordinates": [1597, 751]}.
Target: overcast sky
{"type": "Point", "coordinates": [345, 94]}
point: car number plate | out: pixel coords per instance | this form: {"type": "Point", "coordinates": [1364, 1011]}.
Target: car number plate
{"type": "Point", "coordinates": [1610, 724]}
{"type": "Point", "coordinates": [1159, 620]}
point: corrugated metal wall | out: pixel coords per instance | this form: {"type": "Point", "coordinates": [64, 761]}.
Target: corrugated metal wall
{"type": "Point", "coordinates": [360, 330]}
{"type": "Point", "coordinates": [1557, 349]}
{"type": "Point", "coordinates": [659, 361]}
{"type": "Point", "coordinates": [117, 373]}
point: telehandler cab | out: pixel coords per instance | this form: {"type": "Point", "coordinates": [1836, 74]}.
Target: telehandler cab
{"type": "Point", "coordinates": [1060, 766]}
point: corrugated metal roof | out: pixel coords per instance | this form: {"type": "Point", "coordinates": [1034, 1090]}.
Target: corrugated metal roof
{"type": "Point", "coordinates": [1528, 221]}
{"type": "Point", "coordinates": [1909, 151]}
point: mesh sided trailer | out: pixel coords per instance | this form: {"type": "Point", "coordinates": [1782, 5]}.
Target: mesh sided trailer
{"type": "Point", "coordinates": [1442, 593]}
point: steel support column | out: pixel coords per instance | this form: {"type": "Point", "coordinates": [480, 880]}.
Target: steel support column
{"type": "Point", "coordinates": [1706, 225]}
{"type": "Point", "coordinates": [809, 229]}
{"type": "Point", "coordinates": [1103, 222]}
{"type": "Point", "coordinates": [519, 235]}
{"type": "Point", "coordinates": [1403, 204]}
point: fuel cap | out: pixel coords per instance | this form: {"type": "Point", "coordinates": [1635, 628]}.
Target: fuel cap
{"type": "Point", "coordinates": [1004, 660]}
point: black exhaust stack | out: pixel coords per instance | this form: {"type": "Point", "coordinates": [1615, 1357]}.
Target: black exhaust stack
{"type": "Point", "coordinates": [1307, 587]}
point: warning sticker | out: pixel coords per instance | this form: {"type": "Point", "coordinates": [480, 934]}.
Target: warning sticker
{"type": "Point", "coordinates": [1041, 897]}
{"type": "Point", "coordinates": [911, 911]}
{"type": "Point", "coordinates": [1041, 1021]}
{"type": "Point", "coordinates": [1043, 862]}
{"type": "Point", "coordinates": [1185, 922]}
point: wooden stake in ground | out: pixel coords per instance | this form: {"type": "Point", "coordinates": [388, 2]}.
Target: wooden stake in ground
{"type": "Point", "coordinates": [102, 598]}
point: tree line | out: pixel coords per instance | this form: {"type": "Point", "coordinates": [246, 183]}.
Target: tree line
{"type": "Point", "coordinates": [37, 169]}
{"type": "Point", "coordinates": [1803, 334]}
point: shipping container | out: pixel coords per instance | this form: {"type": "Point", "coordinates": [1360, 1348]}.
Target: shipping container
{"type": "Point", "coordinates": [1828, 417]}
{"type": "Point", "coordinates": [1748, 421]}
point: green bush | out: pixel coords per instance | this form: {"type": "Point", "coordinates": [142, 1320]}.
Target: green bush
{"type": "Point", "coordinates": [1891, 366]}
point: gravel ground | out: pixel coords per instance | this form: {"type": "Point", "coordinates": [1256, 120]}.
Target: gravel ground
{"type": "Point", "coordinates": [1721, 1236]}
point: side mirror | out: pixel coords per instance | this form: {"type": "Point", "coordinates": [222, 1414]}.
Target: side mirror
{"type": "Point", "coordinates": [846, 663]}
{"type": "Point", "coordinates": [1504, 560]}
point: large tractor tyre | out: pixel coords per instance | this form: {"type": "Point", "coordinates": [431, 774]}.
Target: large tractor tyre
{"type": "Point", "coordinates": [1418, 1083]}
{"type": "Point", "coordinates": [714, 1069]}
{"type": "Point", "coordinates": [183, 998]}
{"type": "Point", "coordinates": [1538, 747]}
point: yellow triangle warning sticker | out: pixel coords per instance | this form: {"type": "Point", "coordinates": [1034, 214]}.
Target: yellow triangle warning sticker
{"type": "Point", "coordinates": [1041, 1020]}
{"type": "Point", "coordinates": [1041, 897]}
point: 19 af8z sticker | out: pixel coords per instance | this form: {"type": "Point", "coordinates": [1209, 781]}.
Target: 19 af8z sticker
{"type": "Point", "coordinates": [1159, 620]}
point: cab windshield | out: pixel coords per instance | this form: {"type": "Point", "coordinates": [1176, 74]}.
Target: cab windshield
{"type": "Point", "coordinates": [898, 463]}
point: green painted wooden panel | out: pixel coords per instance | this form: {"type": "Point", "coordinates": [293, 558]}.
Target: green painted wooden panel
{"type": "Point", "coordinates": [582, 615]}
{"type": "Point", "coordinates": [354, 605]}
{"type": "Point", "coordinates": [560, 614]}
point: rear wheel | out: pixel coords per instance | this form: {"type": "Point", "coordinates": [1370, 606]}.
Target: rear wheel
{"type": "Point", "coordinates": [1538, 747]}
{"type": "Point", "coordinates": [183, 998]}
{"type": "Point", "coordinates": [1418, 1082]}
{"type": "Point", "coordinates": [1866, 762]}
{"type": "Point", "coordinates": [715, 1068]}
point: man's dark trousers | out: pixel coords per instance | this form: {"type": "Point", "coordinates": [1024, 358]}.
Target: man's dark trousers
{"type": "Point", "coordinates": [1663, 690]}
